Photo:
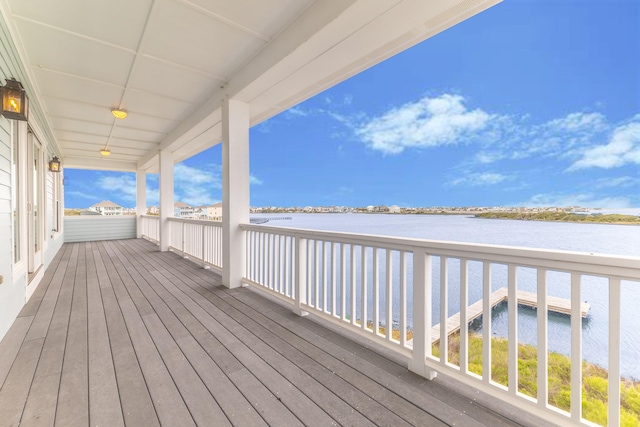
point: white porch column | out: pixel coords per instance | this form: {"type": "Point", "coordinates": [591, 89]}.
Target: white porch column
{"type": "Point", "coordinates": [235, 189]}
{"type": "Point", "coordinates": [141, 198]}
{"type": "Point", "coordinates": [166, 197]}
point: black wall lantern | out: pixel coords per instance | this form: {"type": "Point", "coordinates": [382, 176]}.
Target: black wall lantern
{"type": "Point", "coordinates": [15, 104]}
{"type": "Point", "coordinates": [54, 164]}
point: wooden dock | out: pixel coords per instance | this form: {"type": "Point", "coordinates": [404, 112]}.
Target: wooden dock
{"type": "Point", "coordinates": [528, 299]}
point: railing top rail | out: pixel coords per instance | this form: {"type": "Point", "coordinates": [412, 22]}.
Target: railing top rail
{"type": "Point", "coordinates": [150, 216]}
{"type": "Point", "coordinates": [196, 221]}
{"type": "Point", "coordinates": [626, 267]}
{"type": "Point", "coordinates": [99, 217]}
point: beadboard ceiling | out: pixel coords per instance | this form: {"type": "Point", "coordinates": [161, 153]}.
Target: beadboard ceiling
{"type": "Point", "coordinates": [169, 63]}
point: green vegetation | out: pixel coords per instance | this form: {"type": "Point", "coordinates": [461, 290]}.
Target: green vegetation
{"type": "Point", "coordinates": [71, 212]}
{"type": "Point", "coordinates": [594, 387]}
{"type": "Point", "coordinates": [563, 217]}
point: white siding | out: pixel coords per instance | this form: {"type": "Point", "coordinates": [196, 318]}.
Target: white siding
{"type": "Point", "coordinates": [93, 228]}
{"type": "Point", "coordinates": [13, 290]}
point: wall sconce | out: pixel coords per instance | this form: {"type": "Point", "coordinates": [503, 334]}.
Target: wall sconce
{"type": "Point", "coordinates": [54, 164]}
{"type": "Point", "coordinates": [15, 104]}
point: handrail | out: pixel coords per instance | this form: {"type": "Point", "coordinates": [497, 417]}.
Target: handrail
{"type": "Point", "coordinates": [624, 267]}
{"type": "Point", "coordinates": [196, 221]}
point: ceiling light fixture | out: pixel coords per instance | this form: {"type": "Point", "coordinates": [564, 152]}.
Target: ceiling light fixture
{"type": "Point", "coordinates": [15, 104]}
{"type": "Point", "coordinates": [119, 114]}
{"type": "Point", "coordinates": [54, 164]}
{"type": "Point", "coordinates": [105, 152]}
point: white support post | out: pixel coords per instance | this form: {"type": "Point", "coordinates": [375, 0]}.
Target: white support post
{"type": "Point", "coordinates": [301, 276]}
{"type": "Point", "coordinates": [235, 189]}
{"type": "Point", "coordinates": [166, 198]}
{"type": "Point", "coordinates": [421, 314]}
{"type": "Point", "coordinates": [141, 199]}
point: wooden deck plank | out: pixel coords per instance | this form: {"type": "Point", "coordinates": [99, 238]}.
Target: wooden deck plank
{"type": "Point", "coordinates": [440, 401]}
{"type": "Point", "coordinates": [73, 396]}
{"type": "Point", "coordinates": [33, 305]}
{"type": "Point", "coordinates": [256, 392]}
{"type": "Point", "coordinates": [15, 390]}
{"type": "Point", "coordinates": [201, 404]}
{"type": "Point", "coordinates": [135, 400]}
{"type": "Point", "coordinates": [104, 399]}
{"type": "Point", "coordinates": [277, 389]}
{"type": "Point", "coordinates": [160, 341]}
{"type": "Point", "coordinates": [168, 402]}
{"type": "Point", "coordinates": [10, 345]}
{"type": "Point", "coordinates": [233, 403]}
{"type": "Point", "coordinates": [318, 392]}
{"type": "Point", "coordinates": [40, 408]}
{"type": "Point", "coordinates": [274, 348]}
{"type": "Point", "coordinates": [42, 319]}
{"type": "Point", "coordinates": [309, 413]}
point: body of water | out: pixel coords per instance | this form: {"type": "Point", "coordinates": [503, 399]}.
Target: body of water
{"type": "Point", "coordinates": [590, 238]}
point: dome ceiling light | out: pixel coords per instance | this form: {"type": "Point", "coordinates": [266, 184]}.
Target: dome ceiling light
{"type": "Point", "coordinates": [119, 114]}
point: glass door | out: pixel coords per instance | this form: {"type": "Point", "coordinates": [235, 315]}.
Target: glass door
{"type": "Point", "coordinates": [34, 202]}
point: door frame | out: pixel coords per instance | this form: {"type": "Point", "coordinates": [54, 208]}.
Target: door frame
{"type": "Point", "coordinates": [35, 204]}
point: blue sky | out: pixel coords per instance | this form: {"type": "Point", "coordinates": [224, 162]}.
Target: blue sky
{"type": "Point", "coordinates": [529, 103]}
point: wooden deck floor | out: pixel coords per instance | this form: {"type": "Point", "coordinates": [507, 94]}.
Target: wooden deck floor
{"type": "Point", "coordinates": [120, 334]}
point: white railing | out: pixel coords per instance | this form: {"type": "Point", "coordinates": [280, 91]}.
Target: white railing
{"type": "Point", "coordinates": [398, 291]}
{"type": "Point", "coordinates": [151, 228]}
{"type": "Point", "coordinates": [197, 239]}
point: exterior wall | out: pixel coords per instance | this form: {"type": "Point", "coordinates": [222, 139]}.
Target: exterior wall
{"type": "Point", "coordinates": [214, 213]}
{"type": "Point", "coordinates": [15, 288]}
{"type": "Point", "coordinates": [94, 228]}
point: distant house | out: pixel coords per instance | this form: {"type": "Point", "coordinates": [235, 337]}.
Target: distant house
{"type": "Point", "coordinates": [153, 210]}
{"type": "Point", "coordinates": [183, 210]}
{"type": "Point", "coordinates": [395, 209]}
{"type": "Point", "coordinates": [107, 208]}
{"type": "Point", "coordinates": [214, 212]}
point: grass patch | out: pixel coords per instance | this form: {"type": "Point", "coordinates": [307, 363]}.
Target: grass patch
{"type": "Point", "coordinates": [594, 378]}
{"type": "Point", "coordinates": [563, 217]}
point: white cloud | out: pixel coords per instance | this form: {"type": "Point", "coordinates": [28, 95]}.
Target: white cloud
{"type": "Point", "coordinates": [579, 122]}
{"type": "Point", "coordinates": [480, 179]}
{"type": "Point", "coordinates": [254, 180]}
{"type": "Point", "coordinates": [617, 182]}
{"type": "Point", "coordinates": [197, 186]}
{"type": "Point", "coordinates": [296, 111]}
{"type": "Point", "coordinates": [429, 122]}
{"type": "Point", "coordinates": [81, 194]}
{"type": "Point", "coordinates": [123, 185]}
{"type": "Point", "coordinates": [588, 200]}
{"type": "Point", "coordinates": [484, 157]}
{"type": "Point", "coordinates": [623, 148]}
{"type": "Point", "coordinates": [192, 175]}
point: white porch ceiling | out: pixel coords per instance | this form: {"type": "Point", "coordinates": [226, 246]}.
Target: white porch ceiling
{"type": "Point", "coordinates": [169, 63]}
